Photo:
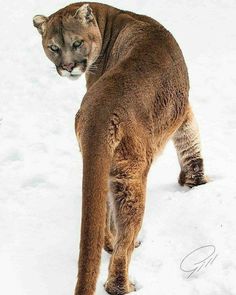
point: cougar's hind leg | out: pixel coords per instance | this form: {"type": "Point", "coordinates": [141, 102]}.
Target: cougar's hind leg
{"type": "Point", "coordinates": [110, 230]}
{"type": "Point", "coordinates": [129, 199]}
{"type": "Point", "coordinates": [187, 142]}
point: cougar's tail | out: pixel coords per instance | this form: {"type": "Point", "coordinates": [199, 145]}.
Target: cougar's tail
{"type": "Point", "coordinates": [96, 166]}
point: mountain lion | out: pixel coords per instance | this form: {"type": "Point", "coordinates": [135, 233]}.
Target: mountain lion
{"type": "Point", "coordinates": [136, 100]}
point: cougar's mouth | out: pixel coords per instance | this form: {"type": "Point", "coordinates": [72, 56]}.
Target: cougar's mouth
{"type": "Point", "coordinates": [76, 72]}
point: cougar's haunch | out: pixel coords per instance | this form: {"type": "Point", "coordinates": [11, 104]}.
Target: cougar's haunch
{"type": "Point", "coordinates": [136, 100]}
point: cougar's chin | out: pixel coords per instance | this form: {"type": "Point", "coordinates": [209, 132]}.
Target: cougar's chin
{"type": "Point", "coordinates": [73, 75]}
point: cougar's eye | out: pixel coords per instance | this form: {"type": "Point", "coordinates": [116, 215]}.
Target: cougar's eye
{"type": "Point", "coordinates": [77, 44]}
{"type": "Point", "coordinates": [54, 48]}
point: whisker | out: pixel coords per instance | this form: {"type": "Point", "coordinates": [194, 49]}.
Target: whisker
{"type": "Point", "coordinates": [91, 72]}
{"type": "Point", "coordinates": [92, 68]}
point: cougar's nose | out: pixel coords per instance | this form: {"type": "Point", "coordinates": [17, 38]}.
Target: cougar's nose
{"type": "Point", "coordinates": [69, 67]}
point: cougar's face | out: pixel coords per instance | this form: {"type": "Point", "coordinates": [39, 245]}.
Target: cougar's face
{"type": "Point", "coordinates": [71, 42]}
{"type": "Point", "coordinates": [72, 51]}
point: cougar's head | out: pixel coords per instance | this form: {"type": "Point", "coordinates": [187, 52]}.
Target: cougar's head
{"type": "Point", "coordinates": [72, 41]}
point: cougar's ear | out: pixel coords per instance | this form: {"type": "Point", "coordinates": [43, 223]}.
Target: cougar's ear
{"type": "Point", "coordinates": [39, 22]}
{"type": "Point", "coordinates": [85, 14]}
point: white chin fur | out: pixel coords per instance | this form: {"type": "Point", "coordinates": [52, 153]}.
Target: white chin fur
{"type": "Point", "coordinates": [77, 71]}
{"type": "Point", "coordinates": [74, 75]}
{"type": "Point", "coordinates": [64, 73]}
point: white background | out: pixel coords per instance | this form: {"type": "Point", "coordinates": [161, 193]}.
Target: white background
{"type": "Point", "coordinates": [40, 163]}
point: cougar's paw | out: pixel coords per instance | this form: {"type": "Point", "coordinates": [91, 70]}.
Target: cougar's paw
{"type": "Point", "coordinates": [108, 244]}
{"type": "Point", "coordinates": [132, 287]}
{"type": "Point", "coordinates": [108, 247]}
{"type": "Point", "coordinates": [137, 244]}
{"type": "Point", "coordinates": [192, 179]}
{"type": "Point", "coordinates": [117, 287]}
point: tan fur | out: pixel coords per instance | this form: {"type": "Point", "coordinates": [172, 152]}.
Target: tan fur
{"type": "Point", "coordinates": [136, 100]}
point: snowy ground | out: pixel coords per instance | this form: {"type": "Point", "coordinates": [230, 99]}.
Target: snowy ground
{"type": "Point", "coordinates": [40, 164]}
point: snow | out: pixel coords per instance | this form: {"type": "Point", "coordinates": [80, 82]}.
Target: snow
{"type": "Point", "coordinates": [40, 163]}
